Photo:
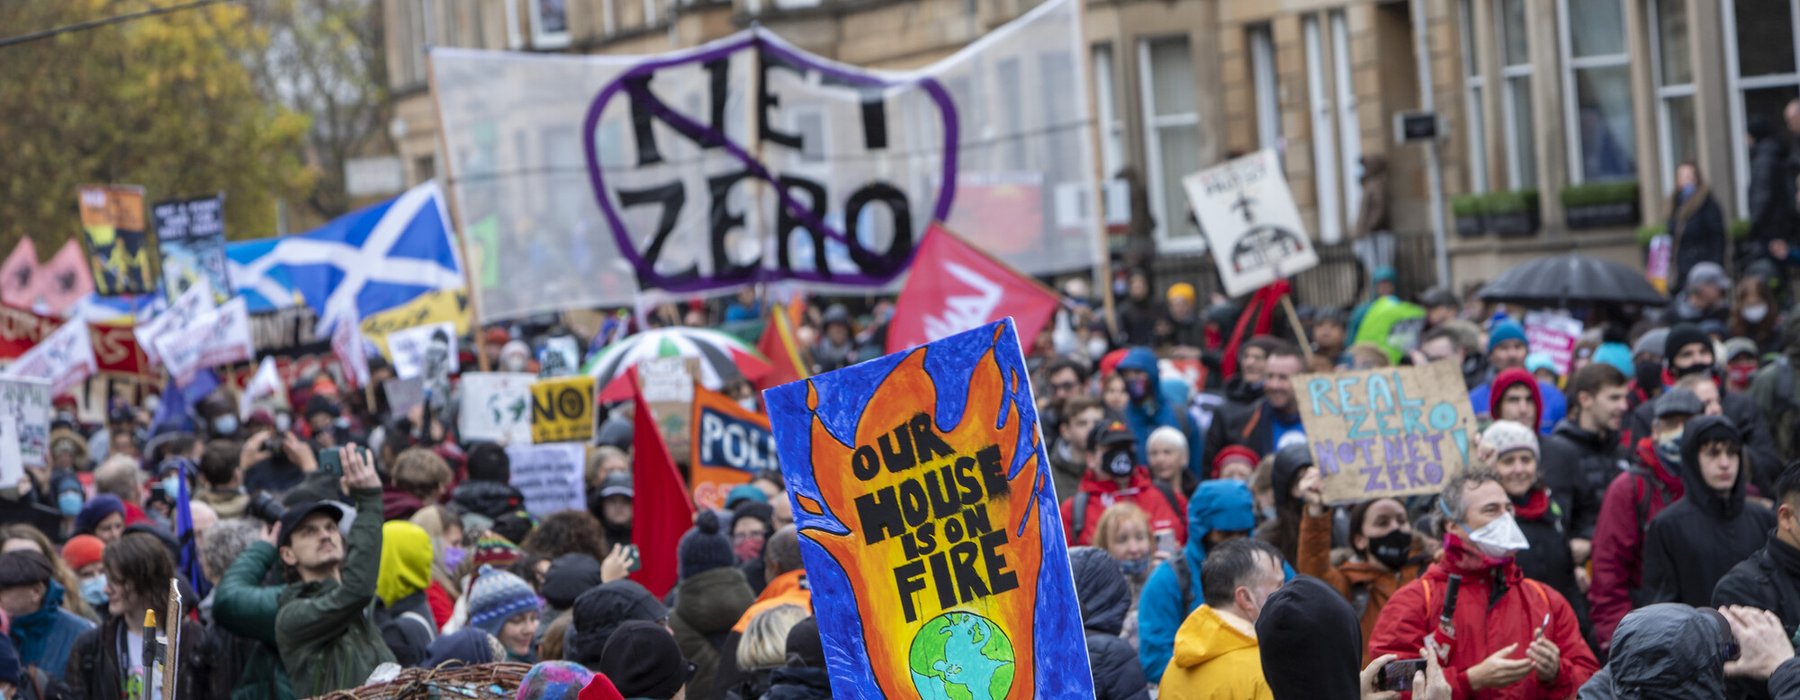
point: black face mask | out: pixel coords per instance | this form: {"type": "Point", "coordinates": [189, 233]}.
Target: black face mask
{"type": "Point", "coordinates": [1649, 374]}
{"type": "Point", "coordinates": [1696, 368]}
{"type": "Point", "coordinates": [1392, 549]}
{"type": "Point", "coordinates": [1118, 461]}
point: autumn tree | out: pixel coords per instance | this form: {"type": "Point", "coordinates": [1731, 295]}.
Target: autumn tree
{"type": "Point", "coordinates": [325, 59]}
{"type": "Point", "coordinates": [163, 101]}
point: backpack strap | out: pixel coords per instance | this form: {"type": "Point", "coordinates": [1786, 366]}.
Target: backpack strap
{"type": "Point", "coordinates": [1250, 425]}
{"type": "Point", "coordinates": [430, 629]}
{"type": "Point", "coordinates": [1359, 599]}
{"type": "Point", "coordinates": [1168, 494]}
{"type": "Point", "coordinates": [1187, 582]}
{"type": "Point", "coordinates": [1078, 518]}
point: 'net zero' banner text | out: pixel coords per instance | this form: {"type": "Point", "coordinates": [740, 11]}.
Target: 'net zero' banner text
{"type": "Point", "coordinates": [749, 160]}
{"type": "Point", "coordinates": [929, 527]}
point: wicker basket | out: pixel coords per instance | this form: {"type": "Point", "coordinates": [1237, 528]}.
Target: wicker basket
{"type": "Point", "coordinates": [482, 681]}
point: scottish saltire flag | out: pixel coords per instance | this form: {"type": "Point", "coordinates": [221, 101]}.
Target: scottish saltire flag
{"type": "Point", "coordinates": [258, 276]}
{"type": "Point", "coordinates": [374, 259]}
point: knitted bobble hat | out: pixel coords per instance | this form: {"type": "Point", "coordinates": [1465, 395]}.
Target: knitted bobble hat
{"type": "Point", "coordinates": [496, 596]}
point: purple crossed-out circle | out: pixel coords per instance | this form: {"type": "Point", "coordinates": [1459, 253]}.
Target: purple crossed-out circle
{"type": "Point", "coordinates": [701, 133]}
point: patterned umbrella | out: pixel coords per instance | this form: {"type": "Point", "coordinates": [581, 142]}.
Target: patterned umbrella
{"type": "Point", "coordinates": [722, 357]}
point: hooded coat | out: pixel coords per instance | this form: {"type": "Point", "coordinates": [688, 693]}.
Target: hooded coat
{"type": "Point", "coordinates": [1355, 579]}
{"type": "Point", "coordinates": [1753, 428]}
{"type": "Point", "coordinates": [1497, 606]}
{"type": "Point", "coordinates": [487, 498]}
{"type": "Point", "coordinates": [403, 613]}
{"type": "Point", "coordinates": [1548, 559]}
{"type": "Point", "coordinates": [44, 638]}
{"type": "Point", "coordinates": [1105, 598]}
{"type": "Point", "coordinates": [1103, 492]}
{"type": "Point", "coordinates": [1552, 406]}
{"type": "Point", "coordinates": [706, 606]}
{"type": "Point", "coordinates": [1691, 545]}
{"type": "Point", "coordinates": [1214, 659]}
{"type": "Point", "coordinates": [601, 610]}
{"type": "Point", "coordinates": [1768, 580]}
{"type": "Point", "coordinates": [1633, 500]}
{"type": "Point", "coordinates": [1165, 408]}
{"type": "Point", "coordinates": [1661, 652]}
{"type": "Point", "coordinates": [242, 606]}
{"type": "Point", "coordinates": [1311, 643]}
{"type": "Point", "coordinates": [1284, 531]}
{"type": "Point", "coordinates": [1166, 601]}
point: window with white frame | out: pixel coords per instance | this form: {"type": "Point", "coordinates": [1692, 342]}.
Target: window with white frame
{"type": "Point", "coordinates": [1759, 50]}
{"type": "Point", "coordinates": [1475, 86]}
{"type": "Point", "coordinates": [1171, 136]}
{"type": "Point", "coordinates": [1349, 125]}
{"type": "Point", "coordinates": [1674, 72]}
{"type": "Point", "coordinates": [1117, 196]}
{"type": "Point", "coordinates": [1515, 95]}
{"type": "Point", "coordinates": [1324, 138]}
{"type": "Point", "coordinates": [1266, 90]}
{"type": "Point", "coordinates": [1597, 91]}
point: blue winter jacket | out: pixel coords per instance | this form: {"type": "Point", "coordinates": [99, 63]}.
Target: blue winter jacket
{"type": "Point", "coordinates": [45, 637]}
{"type": "Point", "coordinates": [1171, 402]}
{"type": "Point", "coordinates": [1220, 504]}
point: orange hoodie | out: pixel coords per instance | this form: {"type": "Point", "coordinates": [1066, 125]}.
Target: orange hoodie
{"type": "Point", "coordinates": [790, 588]}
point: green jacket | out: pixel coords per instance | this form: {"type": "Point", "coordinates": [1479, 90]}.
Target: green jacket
{"type": "Point", "coordinates": [326, 630]}
{"type": "Point", "coordinates": [245, 608]}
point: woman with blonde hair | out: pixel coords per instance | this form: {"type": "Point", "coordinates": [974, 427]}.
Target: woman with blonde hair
{"type": "Point", "coordinates": [1124, 534]}
{"type": "Point", "coordinates": [22, 537]}
{"type": "Point", "coordinates": [763, 648]}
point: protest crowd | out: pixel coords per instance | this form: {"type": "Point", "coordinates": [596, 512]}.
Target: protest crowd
{"type": "Point", "coordinates": [1645, 539]}
{"type": "Point", "coordinates": [1451, 494]}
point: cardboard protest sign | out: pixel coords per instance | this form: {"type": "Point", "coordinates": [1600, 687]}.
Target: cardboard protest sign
{"type": "Point", "coordinates": [1396, 431]}
{"type": "Point", "coordinates": [560, 357]}
{"type": "Point", "coordinates": [1555, 335]}
{"type": "Point", "coordinates": [64, 358]}
{"type": "Point", "coordinates": [1251, 224]}
{"type": "Point", "coordinates": [496, 407]}
{"type": "Point", "coordinates": [562, 409]}
{"type": "Point", "coordinates": [24, 427]}
{"type": "Point", "coordinates": [929, 527]}
{"type": "Point", "coordinates": [121, 251]}
{"type": "Point", "coordinates": [668, 386]}
{"type": "Point", "coordinates": [190, 233]}
{"type": "Point", "coordinates": [424, 351]}
{"type": "Point", "coordinates": [550, 477]}
{"type": "Point", "coordinates": [216, 338]}
{"type": "Point", "coordinates": [731, 445]}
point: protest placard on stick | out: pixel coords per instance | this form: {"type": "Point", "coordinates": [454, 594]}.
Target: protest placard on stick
{"type": "Point", "coordinates": [1396, 431]}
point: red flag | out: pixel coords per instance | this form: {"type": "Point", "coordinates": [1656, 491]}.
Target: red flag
{"type": "Point", "coordinates": [788, 362]}
{"type": "Point", "coordinates": [1257, 319]}
{"type": "Point", "coordinates": [663, 506]}
{"type": "Point", "coordinates": [954, 287]}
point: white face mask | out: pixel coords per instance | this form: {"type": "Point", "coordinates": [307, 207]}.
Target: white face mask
{"type": "Point", "coordinates": [1500, 538]}
{"type": "Point", "coordinates": [1755, 314]}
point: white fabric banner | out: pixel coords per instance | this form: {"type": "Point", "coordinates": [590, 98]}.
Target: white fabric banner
{"type": "Point", "coordinates": [219, 337]}
{"type": "Point", "coordinates": [265, 389]}
{"type": "Point", "coordinates": [65, 358]}
{"type": "Point", "coordinates": [635, 173]}
{"type": "Point", "coordinates": [193, 303]}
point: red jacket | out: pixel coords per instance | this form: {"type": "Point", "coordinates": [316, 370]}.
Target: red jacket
{"type": "Point", "coordinates": [1140, 490]}
{"type": "Point", "coordinates": [1632, 499]}
{"type": "Point", "coordinates": [1482, 629]}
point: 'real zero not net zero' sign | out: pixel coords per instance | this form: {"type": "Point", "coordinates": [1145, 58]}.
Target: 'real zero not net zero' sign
{"type": "Point", "coordinates": [1396, 431]}
{"type": "Point", "coordinates": [929, 526]}
{"type": "Point", "coordinates": [748, 159]}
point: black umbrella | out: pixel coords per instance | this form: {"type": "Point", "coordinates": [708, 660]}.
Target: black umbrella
{"type": "Point", "coordinates": [1571, 279]}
